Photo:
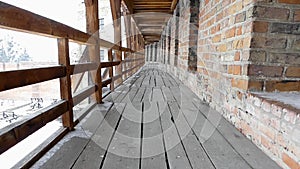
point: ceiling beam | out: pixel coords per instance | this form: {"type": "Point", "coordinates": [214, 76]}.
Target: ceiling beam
{"type": "Point", "coordinates": [174, 3]}
{"type": "Point", "coordinates": [129, 5]}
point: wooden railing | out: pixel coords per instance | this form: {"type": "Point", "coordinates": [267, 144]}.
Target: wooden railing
{"type": "Point", "coordinates": [17, 19]}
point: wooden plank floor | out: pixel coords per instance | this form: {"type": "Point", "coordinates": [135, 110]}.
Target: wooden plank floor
{"type": "Point", "coordinates": [153, 121]}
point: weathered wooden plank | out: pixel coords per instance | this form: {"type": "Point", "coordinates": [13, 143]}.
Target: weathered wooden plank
{"type": "Point", "coordinates": [153, 152]}
{"type": "Point", "coordinates": [124, 150]}
{"type": "Point", "coordinates": [42, 149]}
{"type": "Point", "coordinates": [147, 95]}
{"type": "Point", "coordinates": [252, 154]}
{"type": "Point", "coordinates": [93, 153]}
{"type": "Point", "coordinates": [152, 81]}
{"type": "Point", "coordinates": [67, 154]}
{"type": "Point", "coordinates": [157, 95]}
{"type": "Point", "coordinates": [167, 93]}
{"type": "Point", "coordinates": [19, 78]}
{"type": "Point", "coordinates": [12, 134]}
{"type": "Point", "coordinates": [176, 155]}
{"type": "Point", "coordinates": [139, 96]}
{"type": "Point", "coordinates": [218, 149]}
{"type": "Point", "coordinates": [196, 154]}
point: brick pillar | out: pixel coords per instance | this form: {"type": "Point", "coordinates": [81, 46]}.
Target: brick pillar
{"type": "Point", "coordinates": [188, 34]}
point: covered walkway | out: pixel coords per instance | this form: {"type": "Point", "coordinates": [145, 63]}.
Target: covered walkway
{"type": "Point", "coordinates": [154, 121]}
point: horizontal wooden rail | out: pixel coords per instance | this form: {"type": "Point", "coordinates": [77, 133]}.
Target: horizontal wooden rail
{"type": "Point", "coordinates": [82, 67]}
{"type": "Point", "coordinates": [106, 82]}
{"type": "Point", "coordinates": [83, 94]}
{"type": "Point", "coordinates": [22, 20]}
{"type": "Point", "coordinates": [11, 135]}
{"type": "Point", "coordinates": [109, 64]}
{"type": "Point", "coordinates": [19, 78]}
{"type": "Point", "coordinates": [126, 71]}
{"type": "Point", "coordinates": [18, 19]}
{"type": "Point", "coordinates": [132, 60]}
{"type": "Point", "coordinates": [116, 77]}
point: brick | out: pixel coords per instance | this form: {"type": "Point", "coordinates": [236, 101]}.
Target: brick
{"type": "Point", "coordinates": [268, 71]}
{"type": "Point", "coordinates": [217, 38]}
{"type": "Point", "coordinates": [293, 72]}
{"type": "Point", "coordinates": [255, 85]}
{"type": "Point", "coordinates": [260, 26]}
{"type": "Point", "coordinates": [266, 106]}
{"type": "Point", "coordinates": [237, 44]}
{"type": "Point", "coordinates": [286, 58]}
{"type": "Point", "coordinates": [222, 48]}
{"type": "Point", "coordinates": [247, 42]}
{"type": "Point", "coordinates": [276, 110]}
{"type": "Point", "coordinates": [267, 131]}
{"type": "Point", "coordinates": [290, 162]}
{"type": "Point", "coordinates": [234, 69]}
{"type": "Point", "coordinates": [240, 83]}
{"type": "Point", "coordinates": [257, 56]}
{"type": "Point", "coordinates": [271, 13]}
{"type": "Point", "coordinates": [289, 116]}
{"type": "Point", "coordinates": [241, 17]}
{"type": "Point", "coordinates": [282, 86]}
{"type": "Point", "coordinates": [268, 42]}
{"type": "Point", "coordinates": [289, 1]}
{"type": "Point", "coordinates": [297, 16]}
{"type": "Point", "coordinates": [296, 44]}
{"type": "Point", "coordinates": [230, 33]}
{"type": "Point", "coordinates": [239, 30]}
{"type": "Point", "coordinates": [237, 56]}
{"type": "Point", "coordinates": [286, 28]}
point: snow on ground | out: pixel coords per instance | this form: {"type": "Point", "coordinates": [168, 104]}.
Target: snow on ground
{"type": "Point", "coordinates": [289, 98]}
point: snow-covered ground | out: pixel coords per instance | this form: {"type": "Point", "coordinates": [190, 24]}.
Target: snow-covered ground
{"type": "Point", "coordinates": [13, 111]}
{"type": "Point", "coordinates": [289, 98]}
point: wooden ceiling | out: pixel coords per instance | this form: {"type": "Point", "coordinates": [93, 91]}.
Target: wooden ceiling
{"type": "Point", "coordinates": [151, 16]}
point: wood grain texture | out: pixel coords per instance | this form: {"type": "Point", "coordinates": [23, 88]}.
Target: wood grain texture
{"type": "Point", "coordinates": [20, 78]}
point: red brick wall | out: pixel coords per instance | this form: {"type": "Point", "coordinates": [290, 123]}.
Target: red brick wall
{"type": "Point", "coordinates": [244, 46]}
{"type": "Point", "coordinates": [275, 47]}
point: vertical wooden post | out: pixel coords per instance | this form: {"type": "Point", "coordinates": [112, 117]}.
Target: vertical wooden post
{"type": "Point", "coordinates": [111, 70]}
{"type": "Point", "coordinates": [92, 26]}
{"type": "Point", "coordinates": [116, 14]}
{"type": "Point", "coordinates": [65, 82]}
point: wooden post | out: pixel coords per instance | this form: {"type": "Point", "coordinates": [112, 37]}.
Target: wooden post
{"type": "Point", "coordinates": [111, 70]}
{"type": "Point", "coordinates": [116, 14]}
{"type": "Point", "coordinates": [65, 82]}
{"type": "Point", "coordinates": [92, 26]}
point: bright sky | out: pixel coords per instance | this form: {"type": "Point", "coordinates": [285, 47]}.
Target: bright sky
{"type": "Point", "coordinates": [65, 11]}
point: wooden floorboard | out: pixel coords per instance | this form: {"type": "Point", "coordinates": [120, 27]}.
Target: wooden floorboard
{"type": "Point", "coordinates": [153, 153]}
{"type": "Point", "coordinates": [153, 121]}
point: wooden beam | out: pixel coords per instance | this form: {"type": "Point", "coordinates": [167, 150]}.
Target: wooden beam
{"type": "Point", "coordinates": [111, 70]}
{"type": "Point", "coordinates": [174, 3]}
{"type": "Point", "coordinates": [83, 94]}
{"type": "Point", "coordinates": [110, 64]}
{"type": "Point", "coordinates": [82, 67]}
{"type": "Point", "coordinates": [15, 18]}
{"type": "Point", "coordinates": [20, 78]}
{"type": "Point", "coordinates": [92, 26]}
{"type": "Point", "coordinates": [129, 5]}
{"type": "Point", "coordinates": [65, 82]}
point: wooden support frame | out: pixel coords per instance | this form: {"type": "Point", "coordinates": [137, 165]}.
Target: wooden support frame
{"type": "Point", "coordinates": [92, 26]}
{"type": "Point", "coordinates": [65, 82]}
{"type": "Point", "coordinates": [111, 70]}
